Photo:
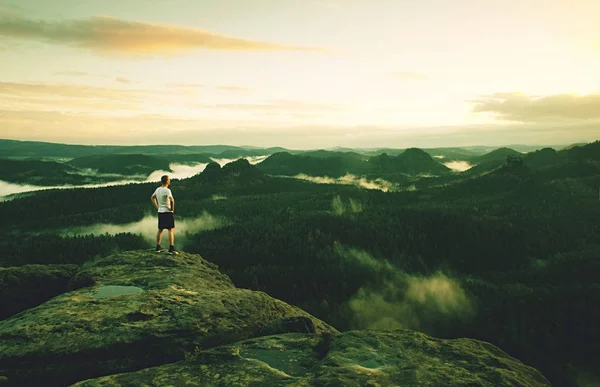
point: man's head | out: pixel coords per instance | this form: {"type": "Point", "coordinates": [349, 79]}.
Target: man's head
{"type": "Point", "coordinates": [165, 180]}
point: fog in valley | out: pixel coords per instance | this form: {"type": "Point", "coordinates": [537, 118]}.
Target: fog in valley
{"type": "Point", "coordinates": [147, 227]}
{"type": "Point", "coordinates": [350, 179]}
{"type": "Point", "coordinates": [400, 300]}
{"type": "Point", "coordinates": [252, 159]}
{"type": "Point", "coordinates": [178, 171]}
{"type": "Point", "coordinates": [458, 166]}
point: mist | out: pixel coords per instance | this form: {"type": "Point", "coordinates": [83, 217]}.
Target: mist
{"type": "Point", "coordinates": [147, 227]}
{"type": "Point", "coordinates": [252, 160]}
{"type": "Point", "coordinates": [458, 166]}
{"type": "Point", "coordinates": [349, 179]}
{"type": "Point", "coordinates": [400, 300]}
{"type": "Point", "coordinates": [7, 189]}
{"type": "Point", "coordinates": [340, 208]}
{"type": "Point", "coordinates": [178, 171]}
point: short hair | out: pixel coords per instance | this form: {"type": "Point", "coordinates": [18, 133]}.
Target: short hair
{"type": "Point", "coordinates": [164, 179]}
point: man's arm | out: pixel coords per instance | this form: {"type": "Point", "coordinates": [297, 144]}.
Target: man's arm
{"type": "Point", "coordinates": [172, 203]}
{"type": "Point", "coordinates": [154, 201]}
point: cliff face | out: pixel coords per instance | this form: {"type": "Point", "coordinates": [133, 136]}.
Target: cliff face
{"type": "Point", "coordinates": [159, 319]}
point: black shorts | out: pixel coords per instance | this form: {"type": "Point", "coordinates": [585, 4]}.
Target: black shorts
{"type": "Point", "coordinates": [166, 220]}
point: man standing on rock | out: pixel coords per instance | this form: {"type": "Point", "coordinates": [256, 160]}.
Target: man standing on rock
{"type": "Point", "coordinates": [163, 200]}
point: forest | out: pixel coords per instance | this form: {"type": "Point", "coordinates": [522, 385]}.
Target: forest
{"type": "Point", "coordinates": [515, 243]}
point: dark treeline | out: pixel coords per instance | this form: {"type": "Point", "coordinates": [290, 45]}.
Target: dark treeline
{"type": "Point", "coordinates": [56, 249]}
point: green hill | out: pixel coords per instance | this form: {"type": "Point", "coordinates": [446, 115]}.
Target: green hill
{"type": "Point", "coordinates": [190, 159]}
{"type": "Point", "coordinates": [128, 164]}
{"type": "Point", "coordinates": [321, 163]}
{"type": "Point", "coordinates": [38, 172]}
{"type": "Point", "coordinates": [497, 154]}
{"type": "Point", "coordinates": [336, 164]}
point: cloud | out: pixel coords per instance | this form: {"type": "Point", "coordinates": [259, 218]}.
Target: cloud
{"type": "Point", "coordinates": [143, 129]}
{"type": "Point", "coordinates": [147, 227]}
{"type": "Point", "coordinates": [339, 208]}
{"type": "Point", "coordinates": [458, 166]}
{"type": "Point", "coordinates": [123, 80]}
{"type": "Point", "coordinates": [60, 96]}
{"type": "Point", "coordinates": [400, 300]}
{"type": "Point", "coordinates": [251, 159]}
{"type": "Point", "coordinates": [178, 171]}
{"type": "Point", "coordinates": [409, 75]}
{"type": "Point", "coordinates": [7, 189]}
{"type": "Point", "coordinates": [106, 34]}
{"type": "Point", "coordinates": [532, 109]}
{"type": "Point", "coordinates": [350, 179]}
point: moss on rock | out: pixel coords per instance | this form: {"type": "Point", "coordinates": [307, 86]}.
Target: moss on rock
{"type": "Point", "coordinates": [357, 358]}
{"type": "Point", "coordinates": [186, 304]}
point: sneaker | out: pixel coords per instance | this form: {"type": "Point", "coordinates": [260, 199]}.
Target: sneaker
{"type": "Point", "coordinates": [172, 250]}
{"type": "Point", "coordinates": [159, 249]}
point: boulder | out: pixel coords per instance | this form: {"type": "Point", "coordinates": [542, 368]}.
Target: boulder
{"type": "Point", "coordinates": [356, 358]}
{"type": "Point", "coordinates": [144, 309]}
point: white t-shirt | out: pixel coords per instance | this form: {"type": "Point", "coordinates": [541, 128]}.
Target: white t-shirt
{"type": "Point", "coordinates": [162, 196]}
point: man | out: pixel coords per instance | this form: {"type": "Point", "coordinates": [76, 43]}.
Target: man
{"type": "Point", "coordinates": [163, 200]}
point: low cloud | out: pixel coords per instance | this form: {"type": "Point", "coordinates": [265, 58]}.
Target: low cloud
{"type": "Point", "coordinates": [251, 159]}
{"type": "Point", "coordinates": [350, 179]}
{"type": "Point", "coordinates": [178, 171]}
{"type": "Point", "coordinates": [400, 300]}
{"type": "Point", "coordinates": [532, 109]}
{"type": "Point", "coordinates": [8, 189]}
{"type": "Point", "coordinates": [340, 208]}
{"type": "Point", "coordinates": [458, 166]}
{"type": "Point", "coordinates": [147, 227]}
{"type": "Point", "coordinates": [106, 34]}
{"type": "Point", "coordinates": [74, 97]}
{"type": "Point", "coordinates": [39, 125]}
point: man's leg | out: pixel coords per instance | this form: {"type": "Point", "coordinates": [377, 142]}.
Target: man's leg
{"type": "Point", "coordinates": [158, 236]}
{"type": "Point", "coordinates": [172, 236]}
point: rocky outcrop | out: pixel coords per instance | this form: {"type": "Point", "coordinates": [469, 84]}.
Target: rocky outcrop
{"type": "Point", "coordinates": [358, 358]}
{"type": "Point", "coordinates": [23, 287]}
{"type": "Point", "coordinates": [145, 309]}
{"type": "Point", "coordinates": [146, 318]}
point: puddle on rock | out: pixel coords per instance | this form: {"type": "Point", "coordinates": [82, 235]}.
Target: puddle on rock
{"type": "Point", "coordinates": [114, 291]}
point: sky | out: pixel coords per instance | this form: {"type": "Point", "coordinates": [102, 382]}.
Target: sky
{"type": "Point", "coordinates": [301, 74]}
